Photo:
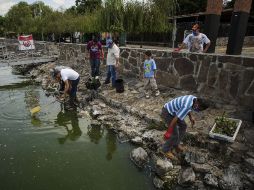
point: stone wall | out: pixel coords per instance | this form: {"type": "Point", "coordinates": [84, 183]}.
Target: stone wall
{"type": "Point", "coordinates": [223, 78]}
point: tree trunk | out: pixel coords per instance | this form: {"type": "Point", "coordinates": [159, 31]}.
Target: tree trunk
{"type": "Point", "coordinates": [239, 23]}
{"type": "Point", "coordinates": [212, 22]}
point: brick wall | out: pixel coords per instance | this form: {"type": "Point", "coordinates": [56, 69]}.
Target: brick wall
{"type": "Point", "coordinates": [242, 6]}
{"type": "Point", "coordinates": [214, 7]}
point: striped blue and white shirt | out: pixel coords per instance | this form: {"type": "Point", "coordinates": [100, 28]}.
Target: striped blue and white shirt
{"type": "Point", "coordinates": [180, 106]}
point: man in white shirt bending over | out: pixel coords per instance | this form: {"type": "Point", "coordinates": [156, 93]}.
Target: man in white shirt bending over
{"type": "Point", "coordinates": [71, 80]}
{"type": "Point", "coordinates": [195, 41]}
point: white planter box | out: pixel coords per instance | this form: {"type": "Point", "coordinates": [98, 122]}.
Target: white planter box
{"type": "Point", "coordinates": [225, 137]}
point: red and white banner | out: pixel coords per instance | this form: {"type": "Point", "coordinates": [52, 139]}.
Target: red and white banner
{"type": "Point", "coordinates": [26, 42]}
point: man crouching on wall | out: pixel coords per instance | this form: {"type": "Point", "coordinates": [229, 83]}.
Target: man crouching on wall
{"type": "Point", "coordinates": [174, 113]}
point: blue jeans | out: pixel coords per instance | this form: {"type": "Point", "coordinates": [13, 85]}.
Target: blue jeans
{"type": "Point", "coordinates": [111, 73]}
{"type": "Point", "coordinates": [74, 88]}
{"type": "Point", "coordinates": [95, 67]}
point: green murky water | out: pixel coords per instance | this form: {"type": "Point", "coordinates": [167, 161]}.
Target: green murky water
{"type": "Point", "coordinates": [56, 149]}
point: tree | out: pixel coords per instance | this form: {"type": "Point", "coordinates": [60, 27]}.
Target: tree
{"type": "Point", "coordinates": [112, 16]}
{"type": "Point", "coordinates": [40, 11]}
{"type": "Point", "coordinates": [72, 10]}
{"type": "Point", "coordinates": [20, 18]}
{"type": "Point", "coordinates": [2, 25]}
{"type": "Point", "coordinates": [88, 6]}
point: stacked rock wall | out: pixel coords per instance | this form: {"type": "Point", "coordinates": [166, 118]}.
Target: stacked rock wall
{"type": "Point", "coordinates": [222, 77]}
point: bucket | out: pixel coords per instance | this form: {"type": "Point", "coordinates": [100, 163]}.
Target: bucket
{"type": "Point", "coordinates": [119, 86]}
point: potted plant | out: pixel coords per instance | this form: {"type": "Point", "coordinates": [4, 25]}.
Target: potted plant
{"type": "Point", "coordinates": [225, 128]}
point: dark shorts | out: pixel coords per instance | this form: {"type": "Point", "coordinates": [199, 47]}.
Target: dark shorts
{"type": "Point", "coordinates": [166, 116]}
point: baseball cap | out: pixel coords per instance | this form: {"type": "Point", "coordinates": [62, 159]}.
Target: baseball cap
{"type": "Point", "coordinates": [54, 72]}
{"type": "Point", "coordinates": [109, 42]}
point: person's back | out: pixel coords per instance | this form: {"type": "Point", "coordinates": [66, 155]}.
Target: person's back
{"type": "Point", "coordinates": [68, 74]}
{"type": "Point", "coordinates": [180, 106]}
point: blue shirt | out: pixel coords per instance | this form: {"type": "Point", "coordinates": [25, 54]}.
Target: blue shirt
{"type": "Point", "coordinates": [180, 106]}
{"type": "Point", "coordinates": [149, 67]}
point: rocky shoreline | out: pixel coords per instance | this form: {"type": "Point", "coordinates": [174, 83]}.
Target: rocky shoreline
{"type": "Point", "coordinates": [207, 163]}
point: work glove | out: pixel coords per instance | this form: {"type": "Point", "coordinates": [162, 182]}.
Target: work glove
{"type": "Point", "coordinates": [168, 133]}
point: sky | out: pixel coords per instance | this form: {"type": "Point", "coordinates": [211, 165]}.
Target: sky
{"type": "Point", "coordinates": [5, 5]}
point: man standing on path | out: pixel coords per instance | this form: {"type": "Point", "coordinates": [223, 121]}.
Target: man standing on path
{"type": "Point", "coordinates": [96, 53]}
{"type": "Point", "coordinates": [112, 62]}
{"type": "Point", "coordinates": [174, 113]}
{"type": "Point", "coordinates": [196, 41]}
{"type": "Point", "coordinates": [71, 80]}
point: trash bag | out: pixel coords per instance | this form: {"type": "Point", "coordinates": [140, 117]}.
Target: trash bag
{"type": "Point", "coordinates": [93, 83]}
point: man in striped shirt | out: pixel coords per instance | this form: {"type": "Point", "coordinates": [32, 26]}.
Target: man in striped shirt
{"type": "Point", "coordinates": [174, 113]}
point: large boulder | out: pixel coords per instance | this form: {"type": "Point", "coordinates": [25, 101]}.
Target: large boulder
{"type": "Point", "coordinates": [139, 156]}
{"type": "Point", "coordinates": [153, 137]}
{"type": "Point", "coordinates": [187, 177]}
{"type": "Point", "coordinates": [137, 141]}
{"type": "Point", "coordinates": [163, 166]}
{"type": "Point", "coordinates": [231, 178]}
{"type": "Point", "coordinates": [249, 162]}
{"type": "Point", "coordinates": [196, 157]}
{"type": "Point", "coordinates": [201, 168]}
{"type": "Point", "coordinates": [158, 183]}
{"type": "Point", "coordinates": [211, 180]}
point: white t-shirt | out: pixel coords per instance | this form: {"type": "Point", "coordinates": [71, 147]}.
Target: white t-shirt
{"type": "Point", "coordinates": [69, 74]}
{"type": "Point", "coordinates": [113, 53]}
{"type": "Point", "coordinates": [196, 43]}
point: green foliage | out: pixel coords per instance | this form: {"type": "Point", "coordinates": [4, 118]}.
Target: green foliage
{"type": "Point", "coordinates": [225, 126]}
{"type": "Point", "coordinates": [2, 24]}
{"type": "Point", "coordinates": [136, 17]}
{"type": "Point", "coordinates": [20, 18]}
{"type": "Point", "coordinates": [90, 16]}
{"type": "Point", "coordinates": [88, 6]}
{"type": "Point", "coordinates": [112, 16]}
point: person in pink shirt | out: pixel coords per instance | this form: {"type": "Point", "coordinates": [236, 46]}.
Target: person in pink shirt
{"type": "Point", "coordinates": [95, 50]}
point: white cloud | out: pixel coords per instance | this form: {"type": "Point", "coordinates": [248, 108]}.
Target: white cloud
{"type": "Point", "coordinates": [5, 5]}
{"type": "Point", "coordinates": [62, 4]}
{"type": "Point", "coordinates": [59, 2]}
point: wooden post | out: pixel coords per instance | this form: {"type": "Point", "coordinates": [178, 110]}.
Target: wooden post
{"type": "Point", "coordinates": [212, 22]}
{"type": "Point", "coordinates": [239, 23]}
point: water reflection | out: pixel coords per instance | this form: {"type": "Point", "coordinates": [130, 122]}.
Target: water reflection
{"type": "Point", "coordinates": [111, 144]}
{"type": "Point", "coordinates": [69, 120]}
{"type": "Point", "coordinates": [35, 121]}
{"type": "Point", "coordinates": [95, 132]}
{"type": "Point", "coordinates": [32, 98]}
